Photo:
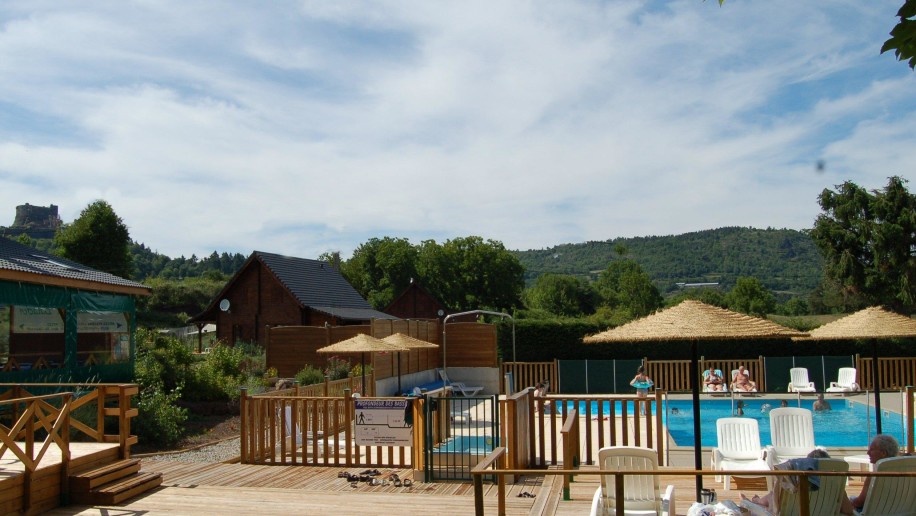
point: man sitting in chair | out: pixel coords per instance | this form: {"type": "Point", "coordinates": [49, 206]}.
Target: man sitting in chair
{"type": "Point", "coordinates": [882, 446]}
{"type": "Point", "coordinates": [742, 381]}
{"type": "Point", "coordinates": [713, 381]}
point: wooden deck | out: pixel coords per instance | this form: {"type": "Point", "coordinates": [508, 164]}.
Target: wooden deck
{"type": "Point", "coordinates": [196, 489]}
{"type": "Point", "coordinates": [46, 479]}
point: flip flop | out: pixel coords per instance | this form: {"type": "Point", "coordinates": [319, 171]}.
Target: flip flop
{"type": "Point", "coordinates": [343, 474]}
{"type": "Point", "coordinates": [407, 482]}
{"type": "Point", "coordinates": [352, 478]}
{"type": "Point", "coordinates": [354, 484]}
{"type": "Point", "coordinates": [397, 482]}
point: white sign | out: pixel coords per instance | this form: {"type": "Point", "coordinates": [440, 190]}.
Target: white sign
{"type": "Point", "coordinates": [383, 422]}
{"type": "Point", "coordinates": [31, 319]}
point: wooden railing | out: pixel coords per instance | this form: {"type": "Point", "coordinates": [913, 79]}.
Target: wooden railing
{"type": "Point", "coordinates": [909, 411]}
{"type": "Point", "coordinates": [492, 465]}
{"type": "Point", "coordinates": [896, 372]}
{"type": "Point", "coordinates": [91, 402]}
{"type": "Point", "coordinates": [570, 433]}
{"type": "Point", "coordinates": [529, 374]}
{"type": "Point", "coordinates": [327, 388]}
{"type": "Point", "coordinates": [600, 421]}
{"type": "Point", "coordinates": [516, 431]}
{"type": "Point", "coordinates": [319, 430]}
{"type": "Point", "coordinates": [55, 416]}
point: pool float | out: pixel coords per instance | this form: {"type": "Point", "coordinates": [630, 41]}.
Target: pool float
{"type": "Point", "coordinates": [642, 385]}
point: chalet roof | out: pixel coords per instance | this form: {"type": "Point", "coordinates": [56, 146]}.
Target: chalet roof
{"type": "Point", "coordinates": [314, 283]}
{"type": "Point", "coordinates": [29, 265]}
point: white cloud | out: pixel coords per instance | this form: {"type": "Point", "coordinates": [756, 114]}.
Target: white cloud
{"type": "Point", "coordinates": [301, 127]}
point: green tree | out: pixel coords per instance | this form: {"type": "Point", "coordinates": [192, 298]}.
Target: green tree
{"type": "Point", "coordinates": [381, 269]}
{"type": "Point", "coordinates": [867, 240]}
{"type": "Point", "coordinates": [750, 297]}
{"type": "Point", "coordinates": [97, 239]}
{"type": "Point", "coordinates": [561, 294]}
{"type": "Point", "coordinates": [470, 273]}
{"type": "Point", "coordinates": [903, 35]}
{"type": "Point", "coordinates": [624, 285]}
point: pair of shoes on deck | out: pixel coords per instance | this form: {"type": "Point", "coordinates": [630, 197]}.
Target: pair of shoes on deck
{"type": "Point", "coordinates": [396, 480]}
{"type": "Point", "coordinates": [526, 494]}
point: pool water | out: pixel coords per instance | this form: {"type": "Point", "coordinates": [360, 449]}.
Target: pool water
{"type": "Point", "coordinates": [467, 444]}
{"type": "Point", "coordinates": [846, 426]}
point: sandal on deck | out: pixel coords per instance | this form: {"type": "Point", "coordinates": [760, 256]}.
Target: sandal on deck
{"type": "Point", "coordinates": [343, 474]}
{"type": "Point", "coordinates": [407, 482]}
{"type": "Point", "coordinates": [396, 479]}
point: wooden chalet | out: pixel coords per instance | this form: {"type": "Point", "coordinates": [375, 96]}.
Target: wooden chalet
{"type": "Point", "coordinates": [63, 320]}
{"type": "Point", "coordinates": [276, 290]}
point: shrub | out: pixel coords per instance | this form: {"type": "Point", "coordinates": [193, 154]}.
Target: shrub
{"type": "Point", "coordinates": [219, 376]}
{"type": "Point", "coordinates": [310, 375]}
{"type": "Point", "coordinates": [160, 422]}
{"type": "Point", "coordinates": [338, 368]}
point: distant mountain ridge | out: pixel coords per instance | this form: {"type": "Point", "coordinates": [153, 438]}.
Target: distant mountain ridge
{"type": "Point", "coordinates": [784, 260]}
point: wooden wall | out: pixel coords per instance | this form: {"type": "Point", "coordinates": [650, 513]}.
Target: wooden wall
{"type": "Point", "coordinates": [471, 345]}
{"type": "Point", "coordinates": [290, 348]}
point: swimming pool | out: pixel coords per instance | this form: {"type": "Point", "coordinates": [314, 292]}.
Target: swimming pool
{"type": "Point", "coordinates": [846, 426]}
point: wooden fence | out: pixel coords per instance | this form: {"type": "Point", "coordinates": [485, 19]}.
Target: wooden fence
{"type": "Point", "coordinates": [599, 417]}
{"type": "Point", "coordinates": [318, 430]}
{"type": "Point", "coordinates": [530, 374]}
{"type": "Point", "coordinates": [674, 375]}
{"type": "Point", "coordinates": [896, 372]}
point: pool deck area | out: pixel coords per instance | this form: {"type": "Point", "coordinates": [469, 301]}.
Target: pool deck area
{"type": "Point", "coordinates": [219, 488]}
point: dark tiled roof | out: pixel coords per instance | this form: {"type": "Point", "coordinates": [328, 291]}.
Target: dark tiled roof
{"type": "Point", "coordinates": [20, 258]}
{"type": "Point", "coordinates": [319, 286]}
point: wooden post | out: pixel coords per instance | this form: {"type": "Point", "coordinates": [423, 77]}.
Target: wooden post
{"type": "Point", "coordinates": [619, 494]}
{"type": "Point", "coordinates": [500, 486]}
{"type": "Point", "coordinates": [348, 430]}
{"type": "Point", "coordinates": [910, 427]}
{"type": "Point", "coordinates": [243, 426]}
{"type": "Point", "coordinates": [327, 385]}
{"type": "Point", "coordinates": [804, 496]}
{"type": "Point", "coordinates": [478, 495]}
{"type": "Point", "coordinates": [123, 422]}
{"type": "Point", "coordinates": [65, 450]}
{"type": "Point", "coordinates": [659, 429]}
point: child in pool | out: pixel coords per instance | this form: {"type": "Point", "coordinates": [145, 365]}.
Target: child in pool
{"type": "Point", "coordinates": [642, 383]}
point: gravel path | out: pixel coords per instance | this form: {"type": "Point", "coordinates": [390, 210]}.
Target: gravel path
{"type": "Point", "coordinates": [219, 452]}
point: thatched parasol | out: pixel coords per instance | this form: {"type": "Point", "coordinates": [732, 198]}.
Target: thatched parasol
{"type": "Point", "coordinates": [694, 321]}
{"type": "Point", "coordinates": [362, 344]}
{"type": "Point", "coordinates": [872, 323]}
{"type": "Point", "coordinates": [399, 339]}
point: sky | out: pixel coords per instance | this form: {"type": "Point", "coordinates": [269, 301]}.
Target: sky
{"type": "Point", "coordinates": [306, 127]}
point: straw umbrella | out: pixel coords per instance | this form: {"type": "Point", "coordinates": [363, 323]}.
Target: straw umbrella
{"type": "Point", "coordinates": [693, 321]}
{"type": "Point", "coordinates": [872, 323]}
{"type": "Point", "coordinates": [399, 339]}
{"type": "Point", "coordinates": [362, 344]}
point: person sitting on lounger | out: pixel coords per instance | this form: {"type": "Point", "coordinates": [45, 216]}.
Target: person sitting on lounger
{"type": "Point", "coordinates": [882, 446]}
{"type": "Point", "coordinates": [742, 381]}
{"type": "Point", "coordinates": [713, 381]}
{"type": "Point", "coordinates": [767, 499]}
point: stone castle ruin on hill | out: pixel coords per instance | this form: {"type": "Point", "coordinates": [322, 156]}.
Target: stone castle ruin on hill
{"type": "Point", "coordinates": [34, 221]}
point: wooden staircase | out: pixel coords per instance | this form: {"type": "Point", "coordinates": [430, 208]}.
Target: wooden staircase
{"type": "Point", "coordinates": [112, 483]}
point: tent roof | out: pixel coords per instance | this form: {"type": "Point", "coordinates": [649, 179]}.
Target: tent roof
{"type": "Point", "coordinates": [693, 320]}
{"type": "Point", "coordinates": [871, 323]}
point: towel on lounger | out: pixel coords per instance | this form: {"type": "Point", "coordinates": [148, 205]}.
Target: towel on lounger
{"type": "Point", "coordinates": [790, 483]}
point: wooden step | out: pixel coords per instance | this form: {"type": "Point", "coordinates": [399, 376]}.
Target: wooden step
{"type": "Point", "coordinates": [91, 479]}
{"type": "Point", "coordinates": [118, 491]}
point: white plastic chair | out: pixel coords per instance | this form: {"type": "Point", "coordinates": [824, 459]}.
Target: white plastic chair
{"type": "Point", "coordinates": [791, 435]}
{"type": "Point", "coordinates": [892, 496]}
{"type": "Point", "coordinates": [825, 501]}
{"type": "Point", "coordinates": [706, 387]}
{"type": "Point", "coordinates": [641, 495]}
{"type": "Point", "coordinates": [459, 387]}
{"type": "Point", "coordinates": [799, 382]}
{"type": "Point", "coordinates": [846, 381]}
{"type": "Point", "coordinates": [738, 447]}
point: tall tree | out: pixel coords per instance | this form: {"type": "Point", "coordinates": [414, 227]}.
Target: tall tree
{"type": "Point", "coordinates": [469, 273]}
{"type": "Point", "coordinates": [868, 241]}
{"type": "Point", "coordinates": [98, 238]}
{"type": "Point", "coordinates": [381, 269]}
{"type": "Point", "coordinates": [624, 285]}
{"type": "Point", "coordinates": [903, 35]}
{"type": "Point", "coordinates": [561, 294]}
{"type": "Point", "coordinates": [750, 297]}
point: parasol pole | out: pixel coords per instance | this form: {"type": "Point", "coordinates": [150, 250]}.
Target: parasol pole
{"type": "Point", "coordinates": [363, 368]}
{"type": "Point", "coordinates": [874, 369]}
{"type": "Point", "coordinates": [697, 438]}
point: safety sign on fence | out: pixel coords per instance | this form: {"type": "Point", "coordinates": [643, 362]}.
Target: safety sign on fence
{"type": "Point", "coordinates": [384, 422]}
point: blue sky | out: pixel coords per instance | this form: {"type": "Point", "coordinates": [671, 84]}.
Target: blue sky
{"type": "Point", "coordinates": [311, 126]}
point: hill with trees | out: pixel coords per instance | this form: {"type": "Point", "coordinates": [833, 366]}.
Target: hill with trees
{"type": "Point", "coordinates": [785, 260]}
